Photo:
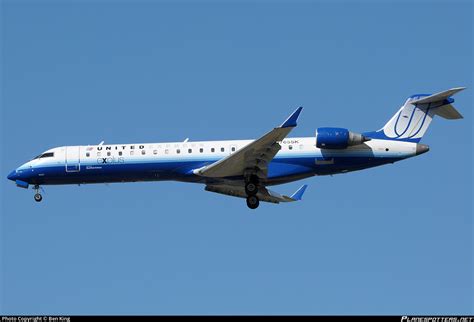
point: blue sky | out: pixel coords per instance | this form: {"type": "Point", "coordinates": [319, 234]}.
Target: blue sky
{"type": "Point", "coordinates": [391, 240]}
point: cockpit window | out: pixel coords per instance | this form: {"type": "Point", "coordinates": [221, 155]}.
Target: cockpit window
{"type": "Point", "coordinates": [45, 155]}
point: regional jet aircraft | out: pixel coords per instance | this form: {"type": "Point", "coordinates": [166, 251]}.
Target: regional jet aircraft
{"type": "Point", "coordinates": [244, 168]}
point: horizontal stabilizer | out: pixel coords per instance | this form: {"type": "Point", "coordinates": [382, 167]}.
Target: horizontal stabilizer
{"type": "Point", "coordinates": [440, 103]}
{"type": "Point", "coordinates": [438, 96]}
{"type": "Point", "coordinates": [448, 112]}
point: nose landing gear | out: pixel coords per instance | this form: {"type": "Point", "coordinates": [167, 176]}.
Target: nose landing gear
{"type": "Point", "coordinates": [38, 196]}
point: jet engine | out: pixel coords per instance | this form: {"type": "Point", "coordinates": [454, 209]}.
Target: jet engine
{"type": "Point", "coordinates": [337, 138]}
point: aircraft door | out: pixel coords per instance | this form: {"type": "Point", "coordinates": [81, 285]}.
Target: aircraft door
{"type": "Point", "coordinates": [73, 162]}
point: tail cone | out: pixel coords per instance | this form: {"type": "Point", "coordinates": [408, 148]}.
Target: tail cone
{"type": "Point", "coordinates": [421, 148]}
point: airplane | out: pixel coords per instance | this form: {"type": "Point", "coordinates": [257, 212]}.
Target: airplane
{"type": "Point", "coordinates": [244, 168]}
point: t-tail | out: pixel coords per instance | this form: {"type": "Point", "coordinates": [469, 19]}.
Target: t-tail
{"type": "Point", "coordinates": [411, 122]}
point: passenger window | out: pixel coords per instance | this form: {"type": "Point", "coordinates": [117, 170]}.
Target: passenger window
{"type": "Point", "coordinates": [131, 152]}
{"type": "Point", "coordinates": [143, 152]}
{"type": "Point", "coordinates": [108, 154]}
{"type": "Point", "coordinates": [201, 150]}
{"type": "Point", "coordinates": [190, 150]}
{"type": "Point", "coordinates": [88, 154]}
{"type": "Point", "coordinates": [120, 152]}
{"type": "Point", "coordinates": [155, 151]}
{"type": "Point", "coordinates": [233, 149]}
{"type": "Point", "coordinates": [222, 149]}
{"type": "Point", "coordinates": [167, 151]}
{"type": "Point", "coordinates": [178, 151]}
{"type": "Point", "coordinates": [290, 147]}
{"type": "Point", "coordinates": [212, 149]}
{"type": "Point", "coordinates": [98, 154]}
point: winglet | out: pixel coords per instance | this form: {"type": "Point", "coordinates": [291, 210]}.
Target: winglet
{"type": "Point", "coordinates": [291, 120]}
{"type": "Point", "coordinates": [299, 193]}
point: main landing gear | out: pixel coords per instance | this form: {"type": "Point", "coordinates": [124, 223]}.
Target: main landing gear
{"type": "Point", "coordinates": [38, 196]}
{"type": "Point", "coordinates": [251, 189]}
{"type": "Point", "coordinates": [252, 202]}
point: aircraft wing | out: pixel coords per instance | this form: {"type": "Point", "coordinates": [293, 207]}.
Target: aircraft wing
{"type": "Point", "coordinates": [263, 194]}
{"type": "Point", "coordinates": [255, 155]}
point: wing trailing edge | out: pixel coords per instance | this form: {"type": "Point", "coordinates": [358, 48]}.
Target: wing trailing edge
{"type": "Point", "coordinates": [264, 194]}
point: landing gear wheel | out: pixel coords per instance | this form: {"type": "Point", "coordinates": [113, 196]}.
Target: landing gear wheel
{"type": "Point", "coordinates": [251, 189]}
{"type": "Point", "coordinates": [252, 202]}
{"type": "Point", "coordinates": [251, 185]}
{"type": "Point", "coordinates": [38, 197]}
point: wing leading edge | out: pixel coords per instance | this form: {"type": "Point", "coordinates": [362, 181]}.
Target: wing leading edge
{"type": "Point", "coordinates": [255, 155]}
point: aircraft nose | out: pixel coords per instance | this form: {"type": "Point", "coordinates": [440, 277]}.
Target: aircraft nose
{"type": "Point", "coordinates": [421, 148]}
{"type": "Point", "coordinates": [12, 176]}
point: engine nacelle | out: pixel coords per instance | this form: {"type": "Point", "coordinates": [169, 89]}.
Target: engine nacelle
{"type": "Point", "coordinates": [337, 138]}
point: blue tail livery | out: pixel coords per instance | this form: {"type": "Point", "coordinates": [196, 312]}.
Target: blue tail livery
{"type": "Point", "coordinates": [411, 122]}
{"type": "Point", "coordinates": [244, 168]}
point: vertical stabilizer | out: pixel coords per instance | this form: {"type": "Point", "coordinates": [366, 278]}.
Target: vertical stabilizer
{"type": "Point", "coordinates": [412, 120]}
